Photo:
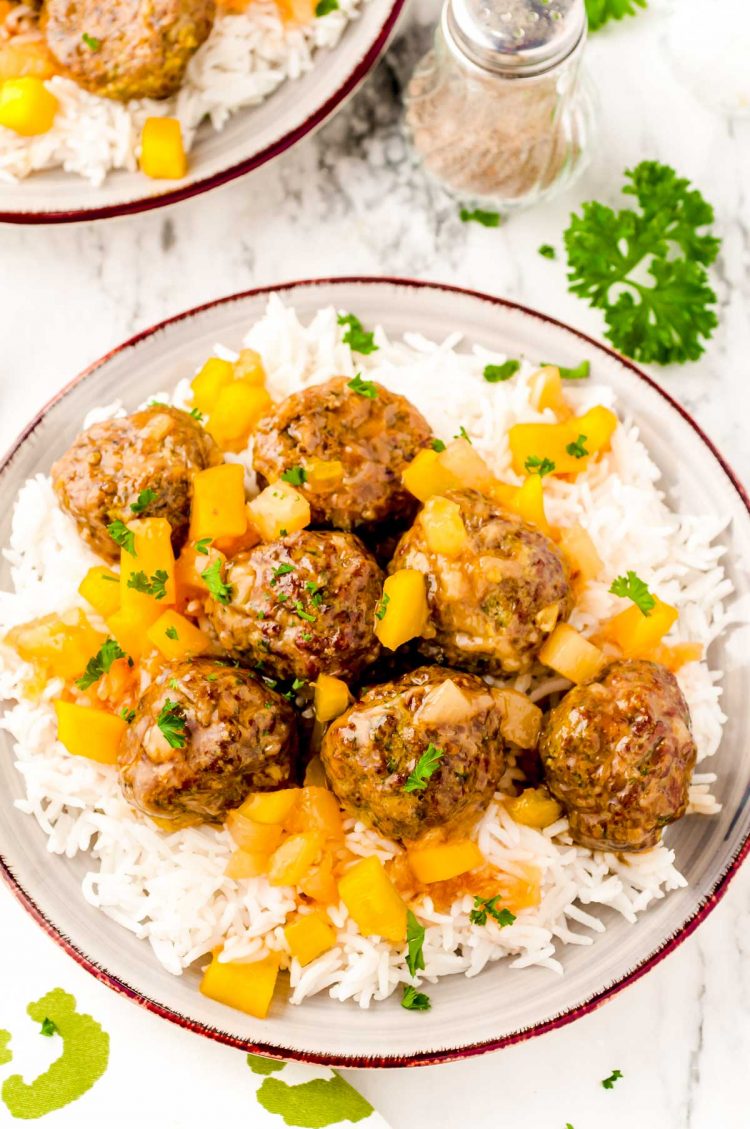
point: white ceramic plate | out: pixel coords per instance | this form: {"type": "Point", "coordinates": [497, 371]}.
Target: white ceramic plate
{"type": "Point", "coordinates": [501, 1005]}
{"type": "Point", "coordinates": [250, 138]}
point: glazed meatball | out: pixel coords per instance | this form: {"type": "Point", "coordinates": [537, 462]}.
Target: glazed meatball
{"type": "Point", "coordinates": [304, 605]}
{"type": "Point", "coordinates": [619, 754]}
{"type": "Point", "coordinates": [127, 49]}
{"type": "Point", "coordinates": [204, 736]}
{"type": "Point", "coordinates": [113, 463]}
{"type": "Point", "coordinates": [493, 605]}
{"type": "Point", "coordinates": [369, 752]}
{"type": "Point", "coordinates": [372, 437]}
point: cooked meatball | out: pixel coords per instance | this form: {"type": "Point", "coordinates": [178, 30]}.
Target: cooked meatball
{"type": "Point", "coordinates": [493, 605]}
{"type": "Point", "coordinates": [127, 49]}
{"type": "Point", "coordinates": [305, 605]}
{"type": "Point", "coordinates": [113, 463]}
{"type": "Point", "coordinates": [369, 752]}
{"type": "Point", "coordinates": [222, 735]}
{"type": "Point", "coordinates": [373, 437]}
{"type": "Point", "coordinates": [619, 754]}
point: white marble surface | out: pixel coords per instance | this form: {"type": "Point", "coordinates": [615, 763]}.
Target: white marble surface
{"type": "Point", "coordinates": [348, 201]}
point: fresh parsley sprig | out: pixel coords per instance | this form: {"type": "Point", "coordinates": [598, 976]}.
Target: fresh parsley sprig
{"type": "Point", "coordinates": [172, 723]}
{"type": "Point", "coordinates": [537, 465]}
{"type": "Point", "coordinates": [601, 12]}
{"type": "Point", "coordinates": [413, 1000]}
{"type": "Point", "coordinates": [122, 536]}
{"type": "Point", "coordinates": [220, 591]}
{"type": "Point", "coordinates": [484, 907]}
{"type": "Point", "coordinates": [295, 476]}
{"type": "Point", "coordinates": [479, 215]}
{"type": "Point", "coordinates": [608, 1083]}
{"type": "Point", "coordinates": [100, 664]}
{"type": "Point", "coordinates": [365, 388]}
{"type": "Point", "coordinates": [424, 769]}
{"type": "Point", "coordinates": [415, 940]}
{"type": "Point", "coordinates": [145, 498]}
{"type": "Point", "coordinates": [631, 587]}
{"type": "Point", "coordinates": [577, 448]}
{"type": "Point", "coordinates": [612, 254]}
{"type": "Point", "coordinates": [356, 336]}
{"type": "Point", "coordinates": [493, 374]}
{"type": "Point", "coordinates": [155, 585]}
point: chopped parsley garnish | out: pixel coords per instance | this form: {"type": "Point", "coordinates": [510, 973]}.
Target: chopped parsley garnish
{"type": "Point", "coordinates": [413, 1000]}
{"type": "Point", "coordinates": [362, 387]}
{"type": "Point", "coordinates": [547, 251]}
{"type": "Point", "coordinates": [91, 42]}
{"type": "Point", "coordinates": [424, 769]}
{"type": "Point", "coordinates": [171, 633]}
{"type": "Point", "coordinates": [608, 1083]}
{"type": "Point", "coordinates": [535, 465]}
{"type": "Point", "coordinates": [171, 722]}
{"type": "Point", "coordinates": [112, 579]}
{"type": "Point", "coordinates": [173, 684]}
{"type": "Point", "coordinates": [211, 677]}
{"type": "Point", "coordinates": [382, 607]}
{"type": "Point", "coordinates": [356, 336]}
{"type": "Point", "coordinates": [271, 683]}
{"type": "Point", "coordinates": [145, 498]}
{"type": "Point", "coordinates": [494, 374]}
{"type": "Point", "coordinates": [437, 445]}
{"type": "Point", "coordinates": [631, 587]}
{"type": "Point", "coordinates": [299, 683]}
{"type": "Point", "coordinates": [576, 448]}
{"type": "Point", "coordinates": [302, 613]}
{"type": "Point", "coordinates": [306, 637]}
{"type": "Point", "coordinates": [601, 12]}
{"type": "Point", "coordinates": [316, 593]}
{"type": "Point", "coordinates": [295, 476]}
{"type": "Point", "coordinates": [100, 664]}
{"type": "Point", "coordinates": [155, 585]}
{"type": "Point", "coordinates": [646, 267]}
{"type": "Point", "coordinates": [203, 545]}
{"type": "Point", "coordinates": [580, 372]}
{"type": "Point", "coordinates": [220, 591]}
{"type": "Point", "coordinates": [122, 536]}
{"type": "Point", "coordinates": [462, 434]}
{"type": "Point", "coordinates": [414, 939]}
{"type": "Point", "coordinates": [484, 907]}
{"type": "Point", "coordinates": [325, 7]}
{"type": "Point", "coordinates": [127, 715]}
{"type": "Point", "coordinates": [49, 1027]}
{"type": "Point", "coordinates": [281, 570]}
{"type": "Point", "coordinates": [196, 415]}
{"type": "Point", "coordinates": [479, 215]}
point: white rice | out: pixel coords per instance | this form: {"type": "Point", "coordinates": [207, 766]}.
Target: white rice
{"type": "Point", "coordinates": [246, 57]}
{"type": "Point", "coordinates": [172, 890]}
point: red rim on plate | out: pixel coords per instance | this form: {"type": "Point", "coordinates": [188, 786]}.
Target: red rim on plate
{"type": "Point", "coordinates": [426, 1058]}
{"type": "Point", "coordinates": [198, 187]}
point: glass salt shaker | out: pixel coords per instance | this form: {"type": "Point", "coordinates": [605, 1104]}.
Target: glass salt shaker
{"type": "Point", "coordinates": [500, 111]}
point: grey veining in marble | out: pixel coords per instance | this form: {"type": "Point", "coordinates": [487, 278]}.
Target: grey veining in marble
{"type": "Point", "coordinates": [351, 200]}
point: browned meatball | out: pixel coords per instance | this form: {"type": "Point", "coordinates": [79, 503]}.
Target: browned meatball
{"type": "Point", "coordinates": [204, 736]}
{"type": "Point", "coordinates": [373, 437]}
{"type": "Point", "coordinates": [127, 49]}
{"type": "Point", "coordinates": [619, 754]}
{"type": "Point", "coordinates": [369, 752]}
{"type": "Point", "coordinates": [112, 464]}
{"type": "Point", "coordinates": [493, 605]}
{"type": "Point", "coordinates": [304, 605]}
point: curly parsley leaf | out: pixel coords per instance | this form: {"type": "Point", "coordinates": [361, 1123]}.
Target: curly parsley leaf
{"type": "Point", "coordinates": [122, 536]}
{"type": "Point", "coordinates": [424, 769]}
{"type": "Point", "coordinates": [356, 336]}
{"type": "Point", "coordinates": [220, 591]}
{"type": "Point", "coordinates": [484, 907]}
{"type": "Point", "coordinates": [612, 254]}
{"type": "Point", "coordinates": [577, 448]}
{"type": "Point", "coordinates": [155, 585]}
{"type": "Point", "coordinates": [413, 1000]}
{"type": "Point", "coordinates": [145, 498]}
{"type": "Point", "coordinates": [536, 465]}
{"type": "Point", "coordinates": [202, 546]}
{"type": "Point", "coordinates": [601, 12]}
{"type": "Point", "coordinates": [479, 215]}
{"type": "Point", "coordinates": [171, 722]}
{"type": "Point", "coordinates": [100, 664]}
{"type": "Point", "coordinates": [608, 1083]}
{"type": "Point", "coordinates": [295, 476]}
{"type": "Point", "coordinates": [414, 940]}
{"type": "Point", "coordinates": [325, 7]}
{"type": "Point", "coordinates": [493, 374]}
{"type": "Point", "coordinates": [362, 387]}
{"type": "Point", "coordinates": [631, 587]}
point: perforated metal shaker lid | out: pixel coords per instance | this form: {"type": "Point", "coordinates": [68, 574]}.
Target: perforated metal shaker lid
{"type": "Point", "coordinates": [519, 37]}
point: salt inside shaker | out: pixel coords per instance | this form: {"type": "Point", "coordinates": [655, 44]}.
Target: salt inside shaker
{"type": "Point", "coordinates": [500, 111]}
